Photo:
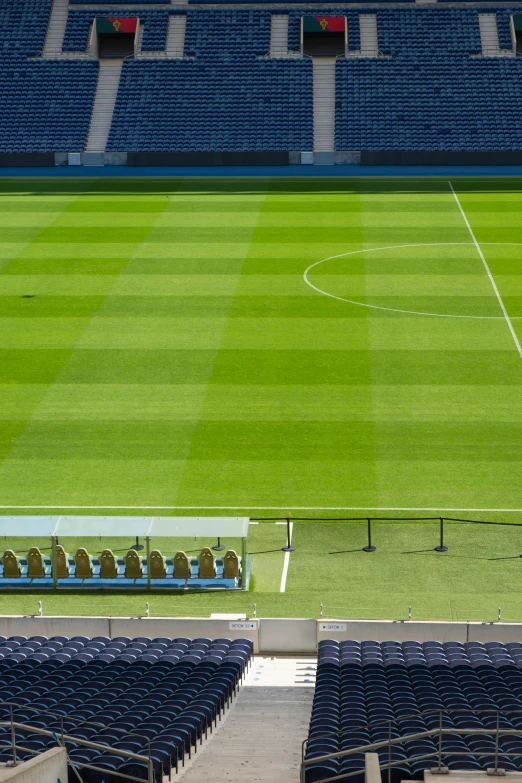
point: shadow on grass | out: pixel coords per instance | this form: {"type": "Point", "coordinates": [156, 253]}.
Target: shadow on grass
{"type": "Point", "coordinates": [346, 551]}
{"type": "Point", "coordinates": [422, 552]}
{"type": "Point", "coordinates": [434, 553]}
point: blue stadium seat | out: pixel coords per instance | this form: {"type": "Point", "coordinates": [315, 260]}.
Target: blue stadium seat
{"type": "Point", "coordinates": [367, 691]}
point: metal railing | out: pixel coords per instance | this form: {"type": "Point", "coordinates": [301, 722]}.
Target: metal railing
{"type": "Point", "coordinates": [62, 738]}
{"type": "Point", "coordinates": [370, 547]}
{"type": "Point", "coordinates": [438, 732]}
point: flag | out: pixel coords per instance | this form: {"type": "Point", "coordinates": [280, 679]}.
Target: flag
{"type": "Point", "coordinates": [121, 24]}
{"type": "Point", "coordinates": [323, 24]}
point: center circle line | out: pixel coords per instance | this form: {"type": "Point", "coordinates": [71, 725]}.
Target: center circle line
{"type": "Point", "coordinates": [395, 309]}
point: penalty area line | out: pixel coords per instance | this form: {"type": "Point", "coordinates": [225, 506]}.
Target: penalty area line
{"type": "Point", "coordinates": [286, 563]}
{"type": "Point", "coordinates": [488, 272]}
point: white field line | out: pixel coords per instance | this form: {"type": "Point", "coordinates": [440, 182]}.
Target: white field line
{"type": "Point", "coordinates": [395, 309]}
{"type": "Point", "coordinates": [286, 563]}
{"type": "Point", "coordinates": [488, 272]}
{"type": "Point", "coordinates": [266, 508]}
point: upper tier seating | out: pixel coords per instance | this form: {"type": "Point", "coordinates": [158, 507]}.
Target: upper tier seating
{"type": "Point", "coordinates": [228, 34]}
{"type": "Point", "coordinates": [366, 690]}
{"type": "Point", "coordinates": [23, 24]}
{"type": "Point", "coordinates": [167, 691]}
{"type": "Point", "coordinates": [436, 32]}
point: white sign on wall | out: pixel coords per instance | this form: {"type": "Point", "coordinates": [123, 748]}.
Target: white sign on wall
{"type": "Point", "coordinates": [325, 627]}
{"type": "Point", "coordinates": [242, 625]}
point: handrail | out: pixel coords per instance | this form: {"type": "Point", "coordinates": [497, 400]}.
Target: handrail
{"type": "Point", "coordinates": [391, 741]}
{"type": "Point", "coordinates": [80, 721]}
{"type": "Point", "coordinates": [70, 738]}
{"type": "Point", "coordinates": [13, 725]}
{"type": "Point", "coordinates": [81, 764]}
{"type": "Point", "coordinates": [413, 715]}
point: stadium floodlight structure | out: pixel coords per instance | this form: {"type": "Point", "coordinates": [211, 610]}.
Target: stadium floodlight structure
{"type": "Point", "coordinates": [54, 527]}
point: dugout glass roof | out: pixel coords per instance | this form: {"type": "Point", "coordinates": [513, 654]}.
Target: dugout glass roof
{"type": "Point", "coordinates": [166, 527]}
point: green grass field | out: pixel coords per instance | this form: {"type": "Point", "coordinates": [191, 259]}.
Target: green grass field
{"type": "Point", "coordinates": [162, 352]}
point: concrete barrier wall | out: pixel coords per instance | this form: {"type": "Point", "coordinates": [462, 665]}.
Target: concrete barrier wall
{"type": "Point", "coordinates": [171, 627]}
{"type": "Point", "coordinates": [288, 636]}
{"type": "Point", "coordinates": [383, 630]}
{"type": "Point", "coordinates": [269, 635]}
{"type": "Point", "coordinates": [48, 767]}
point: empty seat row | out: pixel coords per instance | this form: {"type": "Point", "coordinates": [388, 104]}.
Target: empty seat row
{"type": "Point", "coordinates": [127, 694]}
{"type": "Point", "coordinates": [23, 25]}
{"type": "Point", "coordinates": [453, 103]}
{"type": "Point", "coordinates": [190, 105]}
{"type": "Point", "coordinates": [370, 691]}
{"type": "Point", "coordinates": [45, 106]}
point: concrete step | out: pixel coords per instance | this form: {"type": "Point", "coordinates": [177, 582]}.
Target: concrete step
{"type": "Point", "coordinates": [279, 35]}
{"type": "Point", "coordinates": [56, 29]}
{"type": "Point", "coordinates": [260, 738]}
{"type": "Point", "coordinates": [175, 45]}
{"type": "Point", "coordinates": [369, 46]}
{"type": "Point", "coordinates": [489, 35]}
{"type": "Point", "coordinates": [324, 104]}
{"type": "Point", "coordinates": [103, 106]}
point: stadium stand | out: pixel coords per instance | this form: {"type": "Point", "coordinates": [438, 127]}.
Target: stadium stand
{"type": "Point", "coordinates": [23, 25]}
{"type": "Point", "coordinates": [226, 98]}
{"type": "Point", "coordinates": [45, 106]}
{"type": "Point", "coordinates": [430, 88]}
{"type": "Point", "coordinates": [208, 105]}
{"type": "Point", "coordinates": [128, 694]}
{"type": "Point", "coordinates": [369, 691]}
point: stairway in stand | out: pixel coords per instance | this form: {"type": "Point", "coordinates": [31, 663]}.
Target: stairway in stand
{"type": "Point", "coordinates": [175, 45]}
{"type": "Point", "coordinates": [279, 35]}
{"type": "Point", "coordinates": [324, 107]}
{"type": "Point", "coordinates": [103, 107]}
{"type": "Point", "coordinates": [56, 29]}
{"type": "Point", "coordinates": [260, 738]}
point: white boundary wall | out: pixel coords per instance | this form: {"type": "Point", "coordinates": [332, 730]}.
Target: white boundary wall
{"type": "Point", "coordinates": [171, 627]}
{"type": "Point", "coordinates": [277, 635]}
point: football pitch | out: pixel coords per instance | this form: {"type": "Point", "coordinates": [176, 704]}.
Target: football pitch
{"type": "Point", "coordinates": [272, 347]}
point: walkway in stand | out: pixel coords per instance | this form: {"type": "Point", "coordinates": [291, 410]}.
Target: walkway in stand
{"type": "Point", "coordinates": [261, 736]}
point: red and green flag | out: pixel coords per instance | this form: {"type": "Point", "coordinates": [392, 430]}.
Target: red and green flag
{"type": "Point", "coordinates": [112, 24]}
{"type": "Point", "coordinates": [323, 24]}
